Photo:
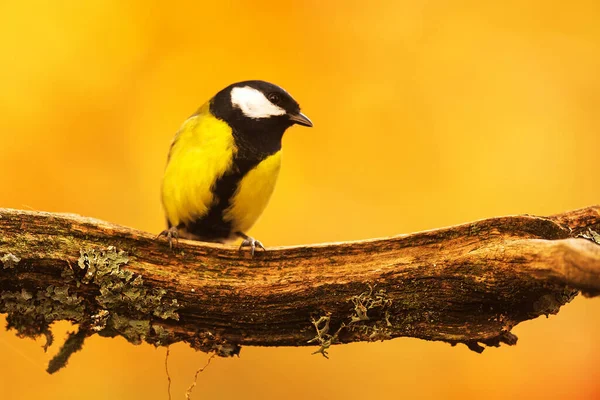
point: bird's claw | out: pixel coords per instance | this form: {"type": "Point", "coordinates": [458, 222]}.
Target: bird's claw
{"type": "Point", "coordinates": [172, 235]}
{"type": "Point", "coordinates": [252, 243]}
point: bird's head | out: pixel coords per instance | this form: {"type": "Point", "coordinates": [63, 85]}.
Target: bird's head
{"type": "Point", "coordinates": [257, 106]}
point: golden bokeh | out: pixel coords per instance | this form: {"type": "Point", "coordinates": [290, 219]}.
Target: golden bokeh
{"type": "Point", "coordinates": [427, 114]}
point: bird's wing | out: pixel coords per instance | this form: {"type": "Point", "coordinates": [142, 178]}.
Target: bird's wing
{"type": "Point", "coordinates": [201, 152]}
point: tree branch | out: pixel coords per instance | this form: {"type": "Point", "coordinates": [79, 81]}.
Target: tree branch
{"type": "Point", "coordinates": [467, 284]}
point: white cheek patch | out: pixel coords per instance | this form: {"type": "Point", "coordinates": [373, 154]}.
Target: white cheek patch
{"type": "Point", "coordinates": [253, 103]}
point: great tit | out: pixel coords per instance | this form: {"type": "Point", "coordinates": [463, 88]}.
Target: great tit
{"type": "Point", "coordinates": [224, 161]}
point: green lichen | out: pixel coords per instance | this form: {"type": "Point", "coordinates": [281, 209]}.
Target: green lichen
{"type": "Point", "coordinates": [9, 261]}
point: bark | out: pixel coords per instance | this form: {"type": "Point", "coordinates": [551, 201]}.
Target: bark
{"type": "Point", "coordinates": [468, 283]}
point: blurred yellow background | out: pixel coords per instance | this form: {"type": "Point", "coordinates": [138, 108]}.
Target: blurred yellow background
{"type": "Point", "coordinates": [427, 114]}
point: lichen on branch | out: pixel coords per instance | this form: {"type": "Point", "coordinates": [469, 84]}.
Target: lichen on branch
{"type": "Point", "coordinates": [469, 283]}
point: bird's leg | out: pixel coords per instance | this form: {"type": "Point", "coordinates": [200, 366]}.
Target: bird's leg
{"type": "Point", "coordinates": [249, 242]}
{"type": "Point", "coordinates": [171, 234]}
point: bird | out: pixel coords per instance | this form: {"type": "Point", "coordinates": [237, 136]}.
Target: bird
{"type": "Point", "coordinates": [224, 161]}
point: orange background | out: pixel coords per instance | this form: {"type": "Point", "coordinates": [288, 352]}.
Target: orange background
{"type": "Point", "coordinates": [427, 114]}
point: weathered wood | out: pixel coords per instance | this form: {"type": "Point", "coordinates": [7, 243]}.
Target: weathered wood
{"type": "Point", "coordinates": [467, 284]}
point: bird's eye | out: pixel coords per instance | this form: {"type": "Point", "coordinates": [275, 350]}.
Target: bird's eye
{"type": "Point", "coordinates": [273, 98]}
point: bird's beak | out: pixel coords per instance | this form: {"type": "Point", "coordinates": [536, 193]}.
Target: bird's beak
{"type": "Point", "coordinates": [301, 119]}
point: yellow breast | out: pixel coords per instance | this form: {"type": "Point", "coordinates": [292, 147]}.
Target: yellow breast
{"type": "Point", "coordinates": [202, 152]}
{"type": "Point", "coordinates": [253, 194]}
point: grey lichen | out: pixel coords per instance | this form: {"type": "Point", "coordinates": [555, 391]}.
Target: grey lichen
{"type": "Point", "coordinates": [360, 322]}
{"type": "Point", "coordinates": [121, 288]}
{"type": "Point", "coordinates": [323, 337]}
{"type": "Point", "coordinates": [119, 303]}
{"type": "Point", "coordinates": [591, 235]}
{"type": "Point", "coordinates": [135, 331]}
{"type": "Point", "coordinates": [31, 313]}
{"type": "Point", "coordinates": [209, 342]}
{"type": "Point", "coordinates": [367, 301]}
{"type": "Point", "coordinates": [103, 265]}
{"type": "Point", "coordinates": [226, 349]}
{"type": "Point", "coordinates": [162, 336]}
{"type": "Point", "coordinates": [372, 332]}
{"type": "Point", "coordinates": [99, 320]}
{"type": "Point", "coordinates": [375, 302]}
{"type": "Point", "coordinates": [9, 261]}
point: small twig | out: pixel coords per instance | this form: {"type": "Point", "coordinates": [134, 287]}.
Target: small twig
{"type": "Point", "coordinates": [188, 393]}
{"type": "Point", "coordinates": [167, 371]}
